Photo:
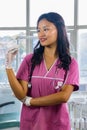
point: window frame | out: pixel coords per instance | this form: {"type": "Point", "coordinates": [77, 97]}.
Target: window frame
{"type": "Point", "coordinates": [73, 30]}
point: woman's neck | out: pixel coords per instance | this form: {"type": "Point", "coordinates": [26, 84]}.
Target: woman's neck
{"type": "Point", "coordinates": [50, 52]}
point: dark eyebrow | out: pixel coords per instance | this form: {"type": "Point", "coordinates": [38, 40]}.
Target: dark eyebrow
{"type": "Point", "coordinates": [46, 26]}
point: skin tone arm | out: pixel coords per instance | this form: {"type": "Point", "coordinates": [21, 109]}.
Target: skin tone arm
{"type": "Point", "coordinates": [54, 99]}
{"type": "Point", "coordinates": [19, 87]}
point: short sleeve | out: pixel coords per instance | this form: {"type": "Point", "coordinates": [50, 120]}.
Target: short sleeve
{"type": "Point", "coordinates": [24, 69]}
{"type": "Point", "coordinates": [73, 75]}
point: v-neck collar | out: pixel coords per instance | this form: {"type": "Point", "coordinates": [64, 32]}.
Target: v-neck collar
{"type": "Point", "coordinates": [51, 66]}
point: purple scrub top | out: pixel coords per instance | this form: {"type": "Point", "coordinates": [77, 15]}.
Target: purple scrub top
{"type": "Point", "coordinates": [46, 82]}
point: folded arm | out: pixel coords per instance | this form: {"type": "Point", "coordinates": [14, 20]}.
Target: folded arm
{"type": "Point", "coordinates": [53, 99]}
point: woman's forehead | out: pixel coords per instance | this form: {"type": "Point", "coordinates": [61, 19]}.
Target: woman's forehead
{"type": "Point", "coordinates": [45, 23]}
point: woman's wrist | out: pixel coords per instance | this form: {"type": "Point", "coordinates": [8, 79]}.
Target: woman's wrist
{"type": "Point", "coordinates": [8, 67]}
{"type": "Point", "coordinates": [26, 101]}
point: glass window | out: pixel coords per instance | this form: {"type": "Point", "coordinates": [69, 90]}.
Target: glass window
{"type": "Point", "coordinates": [12, 13]}
{"type": "Point", "coordinates": [5, 38]}
{"type": "Point", "coordinates": [82, 9]}
{"type": "Point", "coordinates": [9, 33]}
{"type": "Point", "coordinates": [65, 8]}
{"type": "Point", "coordinates": [82, 54]}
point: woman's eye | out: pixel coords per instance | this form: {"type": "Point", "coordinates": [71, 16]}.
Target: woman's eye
{"type": "Point", "coordinates": [46, 29]}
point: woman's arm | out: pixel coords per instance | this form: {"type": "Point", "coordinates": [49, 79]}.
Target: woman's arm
{"type": "Point", "coordinates": [19, 87]}
{"type": "Point", "coordinates": [53, 99]}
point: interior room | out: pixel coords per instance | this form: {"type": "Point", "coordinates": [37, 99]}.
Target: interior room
{"type": "Point", "coordinates": [18, 24]}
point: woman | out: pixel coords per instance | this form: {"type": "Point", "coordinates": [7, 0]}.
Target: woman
{"type": "Point", "coordinates": [46, 78]}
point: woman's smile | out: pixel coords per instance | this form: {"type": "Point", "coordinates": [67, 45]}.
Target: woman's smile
{"type": "Point", "coordinates": [47, 33]}
{"type": "Point", "coordinates": [43, 39]}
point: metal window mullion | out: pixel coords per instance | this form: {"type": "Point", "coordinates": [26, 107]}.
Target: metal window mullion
{"type": "Point", "coordinates": [75, 25]}
{"type": "Point", "coordinates": [29, 46]}
{"type": "Point", "coordinates": [12, 28]}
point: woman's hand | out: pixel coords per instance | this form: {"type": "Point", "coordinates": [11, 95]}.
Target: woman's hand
{"type": "Point", "coordinates": [11, 53]}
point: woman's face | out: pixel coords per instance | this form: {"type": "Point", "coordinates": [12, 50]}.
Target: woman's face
{"type": "Point", "coordinates": [47, 33]}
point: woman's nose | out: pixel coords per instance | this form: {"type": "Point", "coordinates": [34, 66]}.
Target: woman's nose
{"type": "Point", "coordinates": [41, 33]}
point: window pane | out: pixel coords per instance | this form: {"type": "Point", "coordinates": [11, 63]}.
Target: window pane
{"type": "Point", "coordinates": [82, 54]}
{"type": "Point", "coordinates": [82, 9]}
{"type": "Point", "coordinates": [10, 33]}
{"type": "Point", "coordinates": [65, 8]}
{"type": "Point", "coordinates": [12, 13]}
{"type": "Point", "coordinates": [14, 36]}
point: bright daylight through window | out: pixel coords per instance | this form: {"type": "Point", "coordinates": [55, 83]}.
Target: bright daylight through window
{"type": "Point", "coordinates": [18, 24]}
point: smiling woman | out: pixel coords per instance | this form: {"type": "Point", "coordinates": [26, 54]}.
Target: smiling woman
{"type": "Point", "coordinates": [47, 81]}
{"type": "Point", "coordinates": [46, 78]}
{"type": "Point", "coordinates": [47, 33]}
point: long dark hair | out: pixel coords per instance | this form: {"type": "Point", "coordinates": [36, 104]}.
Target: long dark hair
{"type": "Point", "coordinates": [62, 43]}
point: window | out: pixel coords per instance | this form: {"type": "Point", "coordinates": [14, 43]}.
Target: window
{"type": "Point", "coordinates": [65, 8]}
{"type": "Point", "coordinates": [12, 13]}
{"type": "Point", "coordinates": [82, 9]}
{"type": "Point", "coordinates": [5, 38]}
{"type": "Point", "coordinates": [82, 52]}
{"type": "Point", "coordinates": [19, 18]}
